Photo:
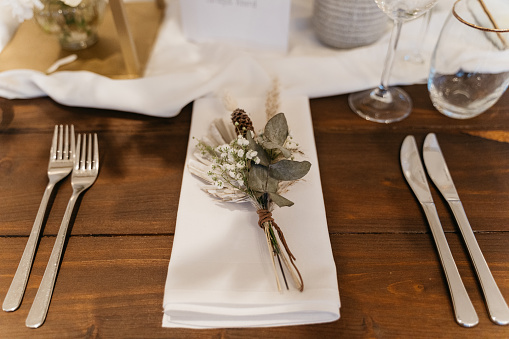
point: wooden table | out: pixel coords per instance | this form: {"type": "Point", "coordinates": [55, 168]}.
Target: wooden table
{"type": "Point", "coordinates": [114, 268]}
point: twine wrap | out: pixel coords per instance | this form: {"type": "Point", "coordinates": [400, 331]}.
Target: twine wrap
{"type": "Point", "coordinates": [264, 216]}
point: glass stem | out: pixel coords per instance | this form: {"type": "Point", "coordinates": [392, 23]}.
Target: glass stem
{"type": "Point", "coordinates": [382, 90]}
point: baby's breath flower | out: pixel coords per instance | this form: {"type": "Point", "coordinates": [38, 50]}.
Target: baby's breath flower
{"type": "Point", "coordinates": [242, 141]}
{"type": "Point", "coordinates": [240, 153]}
{"type": "Point", "coordinates": [223, 148]}
{"type": "Point", "coordinates": [251, 154]}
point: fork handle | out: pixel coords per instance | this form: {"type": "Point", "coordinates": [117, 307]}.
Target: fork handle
{"type": "Point", "coordinates": [497, 307]}
{"type": "Point", "coordinates": [19, 282]}
{"type": "Point", "coordinates": [40, 306]}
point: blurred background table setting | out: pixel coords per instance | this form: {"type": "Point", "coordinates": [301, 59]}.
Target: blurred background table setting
{"type": "Point", "coordinates": [158, 249]}
{"type": "Point", "coordinates": [179, 70]}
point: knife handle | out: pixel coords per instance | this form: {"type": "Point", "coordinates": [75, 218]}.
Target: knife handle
{"type": "Point", "coordinates": [463, 308]}
{"type": "Point", "coordinates": [497, 307]}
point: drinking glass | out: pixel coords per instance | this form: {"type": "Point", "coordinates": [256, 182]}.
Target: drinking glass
{"type": "Point", "coordinates": [386, 104]}
{"type": "Point", "coordinates": [470, 65]}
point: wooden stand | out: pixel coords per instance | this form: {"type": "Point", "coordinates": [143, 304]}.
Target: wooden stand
{"type": "Point", "coordinates": [127, 43]}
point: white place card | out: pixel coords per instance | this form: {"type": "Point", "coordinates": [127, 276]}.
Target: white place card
{"type": "Point", "coordinates": [261, 24]}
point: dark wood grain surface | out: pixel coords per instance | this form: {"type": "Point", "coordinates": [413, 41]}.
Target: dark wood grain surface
{"type": "Point", "coordinates": [112, 276]}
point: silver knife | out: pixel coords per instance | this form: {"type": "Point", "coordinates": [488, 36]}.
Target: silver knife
{"type": "Point", "coordinates": [414, 173]}
{"type": "Point", "coordinates": [439, 173]}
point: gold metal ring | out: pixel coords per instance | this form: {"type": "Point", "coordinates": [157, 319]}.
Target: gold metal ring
{"type": "Point", "coordinates": [494, 30]}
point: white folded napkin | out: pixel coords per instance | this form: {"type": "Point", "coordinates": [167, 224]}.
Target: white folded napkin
{"type": "Point", "coordinates": [220, 273]}
{"type": "Point", "coordinates": [181, 71]}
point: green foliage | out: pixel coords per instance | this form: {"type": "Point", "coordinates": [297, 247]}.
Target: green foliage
{"type": "Point", "coordinates": [264, 177]}
{"type": "Point", "coordinates": [260, 181]}
{"type": "Point", "coordinates": [275, 135]}
{"type": "Point", "coordinates": [276, 129]}
{"type": "Point", "coordinates": [280, 200]}
{"type": "Point", "coordinates": [289, 170]}
{"type": "Point", "coordinates": [256, 165]}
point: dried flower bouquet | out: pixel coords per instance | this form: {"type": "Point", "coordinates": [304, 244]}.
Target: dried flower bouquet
{"type": "Point", "coordinates": [241, 165]}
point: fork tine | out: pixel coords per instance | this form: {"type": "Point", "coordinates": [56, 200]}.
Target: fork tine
{"type": "Point", "coordinates": [89, 152]}
{"type": "Point", "coordinates": [65, 154]}
{"type": "Point", "coordinates": [60, 138]}
{"type": "Point", "coordinates": [73, 145]}
{"type": "Point", "coordinates": [54, 144]}
{"type": "Point", "coordinates": [83, 152]}
{"type": "Point", "coordinates": [96, 152]}
{"type": "Point", "coordinates": [77, 155]}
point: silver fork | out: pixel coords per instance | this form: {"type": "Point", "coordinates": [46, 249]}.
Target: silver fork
{"type": "Point", "coordinates": [61, 162]}
{"type": "Point", "coordinates": [84, 174]}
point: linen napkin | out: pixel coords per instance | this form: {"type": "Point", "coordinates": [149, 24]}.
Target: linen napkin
{"type": "Point", "coordinates": [8, 25]}
{"type": "Point", "coordinates": [180, 71]}
{"type": "Point", "coordinates": [220, 273]}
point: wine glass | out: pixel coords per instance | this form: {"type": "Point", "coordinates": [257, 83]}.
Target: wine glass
{"type": "Point", "coordinates": [386, 104]}
{"type": "Point", "coordinates": [415, 56]}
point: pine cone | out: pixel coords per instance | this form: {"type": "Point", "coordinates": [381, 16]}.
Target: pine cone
{"type": "Point", "coordinates": [242, 122]}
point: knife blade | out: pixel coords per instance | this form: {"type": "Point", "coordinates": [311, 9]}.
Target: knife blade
{"type": "Point", "coordinates": [416, 177]}
{"type": "Point", "coordinates": [441, 177]}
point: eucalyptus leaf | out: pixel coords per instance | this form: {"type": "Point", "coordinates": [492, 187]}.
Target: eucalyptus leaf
{"type": "Point", "coordinates": [257, 178]}
{"type": "Point", "coordinates": [272, 184]}
{"type": "Point", "coordinates": [260, 181]}
{"type": "Point", "coordinates": [261, 154]}
{"type": "Point", "coordinates": [280, 200]}
{"type": "Point", "coordinates": [276, 129]}
{"type": "Point", "coordinates": [289, 170]}
{"type": "Point", "coordinates": [272, 145]}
